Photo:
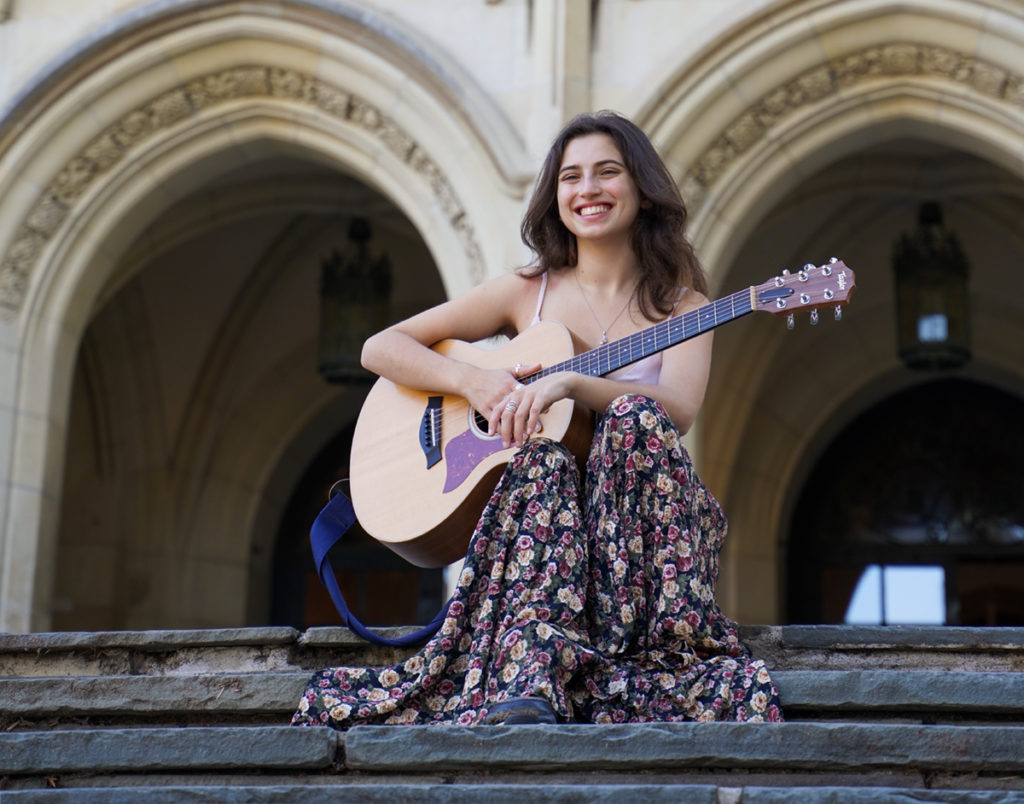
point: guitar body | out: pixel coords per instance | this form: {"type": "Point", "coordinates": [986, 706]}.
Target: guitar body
{"type": "Point", "coordinates": [428, 514]}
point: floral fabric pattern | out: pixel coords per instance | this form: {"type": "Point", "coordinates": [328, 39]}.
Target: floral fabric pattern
{"type": "Point", "coordinates": [598, 596]}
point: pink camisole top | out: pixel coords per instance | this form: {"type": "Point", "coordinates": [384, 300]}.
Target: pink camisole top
{"type": "Point", "coordinates": [646, 369]}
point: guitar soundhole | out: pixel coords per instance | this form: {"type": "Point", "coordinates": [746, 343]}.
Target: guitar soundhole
{"type": "Point", "coordinates": [479, 424]}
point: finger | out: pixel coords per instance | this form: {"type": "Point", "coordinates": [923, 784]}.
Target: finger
{"type": "Point", "coordinates": [534, 420]}
{"type": "Point", "coordinates": [512, 434]}
{"type": "Point", "coordinates": [535, 425]}
{"type": "Point", "coordinates": [507, 428]}
{"type": "Point", "coordinates": [521, 417]}
{"type": "Point", "coordinates": [507, 421]}
{"type": "Point", "coordinates": [494, 420]}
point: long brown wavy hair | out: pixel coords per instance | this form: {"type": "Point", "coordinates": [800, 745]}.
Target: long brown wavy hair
{"type": "Point", "coordinates": [658, 238]}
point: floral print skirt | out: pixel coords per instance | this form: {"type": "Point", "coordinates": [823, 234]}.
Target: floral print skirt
{"type": "Point", "coordinates": [597, 596]}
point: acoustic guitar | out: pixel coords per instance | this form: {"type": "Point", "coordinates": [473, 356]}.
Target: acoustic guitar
{"type": "Point", "coordinates": [423, 465]}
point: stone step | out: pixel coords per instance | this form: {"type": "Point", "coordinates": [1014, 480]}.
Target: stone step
{"type": "Point", "coordinates": [905, 692]}
{"type": "Point", "coordinates": [876, 714]}
{"type": "Point", "coordinates": [281, 649]}
{"type": "Point", "coordinates": [675, 746]}
{"type": "Point", "coordinates": [186, 652]}
{"type": "Point", "coordinates": [805, 694]}
{"type": "Point", "coordinates": [896, 647]}
{"type": "Point", "coordinates": [508, 793]}
{"type": "Point", "coordinates": [614, 752]}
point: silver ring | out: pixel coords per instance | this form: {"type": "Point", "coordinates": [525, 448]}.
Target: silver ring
{"type": "Point", "coordinates": [511, 405]}
{"type": "Point", "coordinates": [516, 369]}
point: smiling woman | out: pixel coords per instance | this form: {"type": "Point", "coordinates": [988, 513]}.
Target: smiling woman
{"type": "Point", "coordinates": [587, 599]}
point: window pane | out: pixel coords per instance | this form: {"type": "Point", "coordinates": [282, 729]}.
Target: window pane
{"type": "Point", "coordinates": [912, 596]}
{"type": "Point", "coordinates": [932, 328]}
{"type": "Point", "coordinates": [866, 602]}
{"type": "Point", "coordinates": [915, 595]}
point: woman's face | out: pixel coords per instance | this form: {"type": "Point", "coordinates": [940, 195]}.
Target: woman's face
{"type": "Point", "coordinates": [597, 198]}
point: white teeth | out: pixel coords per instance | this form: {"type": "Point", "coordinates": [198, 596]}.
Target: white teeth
{"type": "Point", "coordinates": [594, 210]}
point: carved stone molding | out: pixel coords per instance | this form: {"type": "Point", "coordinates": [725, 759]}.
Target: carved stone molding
{"type": "Point", "coordinates": [57, 202]}
{"type": "Point", "coordinates": [876, 63]}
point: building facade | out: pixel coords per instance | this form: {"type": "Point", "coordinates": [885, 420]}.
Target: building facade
{"type": "Point", "coordinates": [174, 174]}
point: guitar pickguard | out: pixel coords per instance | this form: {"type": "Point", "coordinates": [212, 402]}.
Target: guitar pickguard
{"type": "Point", "coordinates": [463, 454]}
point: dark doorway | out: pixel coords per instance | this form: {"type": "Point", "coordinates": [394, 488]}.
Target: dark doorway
{"type": "Point", "coordinates": [928, 484]}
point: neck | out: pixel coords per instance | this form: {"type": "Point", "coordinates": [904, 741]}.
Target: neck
{"type": "Point", "coordinates": [605, 270]}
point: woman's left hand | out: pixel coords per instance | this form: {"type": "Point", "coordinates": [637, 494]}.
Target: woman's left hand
{"type": "Point", "coordinates": [519, 417]}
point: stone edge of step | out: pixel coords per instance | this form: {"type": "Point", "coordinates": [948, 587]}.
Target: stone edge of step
{"type": "Point", "coordinates": [472, 793]}
{"type": "Point", "coordinates": [454, 749]}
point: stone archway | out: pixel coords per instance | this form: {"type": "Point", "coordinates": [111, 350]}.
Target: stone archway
{"type": "Point", "coordinates": [808, 86]}
{"type": "Point", "coordinates": [928, 476]}
{"type": "Point", "coordinates": [165, 102]}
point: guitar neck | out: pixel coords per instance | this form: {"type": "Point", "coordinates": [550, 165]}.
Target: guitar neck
{"type": "Point", "coordinates": [611, 356]}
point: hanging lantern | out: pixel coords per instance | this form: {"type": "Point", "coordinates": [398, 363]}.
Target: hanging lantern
{"type": "Point", "coordinates": [354, 303]}
{"type": "Point", "coordinates": [932, 319]}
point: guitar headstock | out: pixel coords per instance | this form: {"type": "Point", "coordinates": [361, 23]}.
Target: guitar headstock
{"type": "Point", "coordinates": [810, 288]}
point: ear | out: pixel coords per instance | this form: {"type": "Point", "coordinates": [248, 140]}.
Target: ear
{"type": "Point", "coordinates": [645, 203]}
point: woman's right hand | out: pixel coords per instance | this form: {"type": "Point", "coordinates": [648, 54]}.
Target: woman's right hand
{"type": "Point", "coordinates": [491, 390]}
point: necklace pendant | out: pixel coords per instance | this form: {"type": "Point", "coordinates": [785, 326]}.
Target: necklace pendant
{"type": "Point", "coordinates": [604, 338]}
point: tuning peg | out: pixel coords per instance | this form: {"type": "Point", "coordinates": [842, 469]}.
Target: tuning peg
{"type": "Point", "coordinates": [790, 321]}
{"type": "Point", "coordinates": [814, 316]}
{"type": "Point", "coordinates": [839, 312]}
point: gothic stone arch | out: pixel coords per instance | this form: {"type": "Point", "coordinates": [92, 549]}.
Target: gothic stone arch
{"type": "Point", "coordinates": [164, 101]}
{"type": "Point", "coordinates": [795, 87]}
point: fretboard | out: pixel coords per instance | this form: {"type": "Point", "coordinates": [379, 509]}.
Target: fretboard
{"type": "Point", "coordinates": [616, 354]}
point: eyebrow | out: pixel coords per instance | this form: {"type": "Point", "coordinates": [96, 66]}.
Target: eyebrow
{"type": "Point", "coordinates": [599, 163]}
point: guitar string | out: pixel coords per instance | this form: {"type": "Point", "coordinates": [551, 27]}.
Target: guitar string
{"type": "Point", "coordinates": [691, 324]}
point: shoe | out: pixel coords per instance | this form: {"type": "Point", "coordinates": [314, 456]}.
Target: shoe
{"type": "Point", "coordinates": [521, 712]}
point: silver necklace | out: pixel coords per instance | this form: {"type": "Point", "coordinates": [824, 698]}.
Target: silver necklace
{"type": "Point", "coordinates": [604, 329]}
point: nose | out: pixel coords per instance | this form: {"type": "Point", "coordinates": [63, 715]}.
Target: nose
{"type": "Point", "coordinates": [589, 184]}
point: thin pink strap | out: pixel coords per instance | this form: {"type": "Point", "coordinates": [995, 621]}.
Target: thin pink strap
{"type": "Point", "coordinates": [540, 296]}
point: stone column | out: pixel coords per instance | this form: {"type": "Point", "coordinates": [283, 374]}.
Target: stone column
{"type": "Point", "coordinates": [561, 48]}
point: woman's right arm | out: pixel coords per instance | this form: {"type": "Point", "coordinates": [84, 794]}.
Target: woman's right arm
{"type": "Point", "coordinates": [402, 352]}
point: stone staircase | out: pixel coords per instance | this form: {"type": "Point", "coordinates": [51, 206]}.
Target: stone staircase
{"type": "Point", "coordinates": [902, 714]}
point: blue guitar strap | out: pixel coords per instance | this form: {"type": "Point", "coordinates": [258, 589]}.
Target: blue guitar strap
{"type": "Point", "coordinates": [330, 525]}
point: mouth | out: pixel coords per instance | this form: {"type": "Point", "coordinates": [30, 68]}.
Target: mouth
{"type": "Point", "coordinates": [593, 209]}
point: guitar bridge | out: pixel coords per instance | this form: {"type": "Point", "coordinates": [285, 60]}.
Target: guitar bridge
{"type": "Point", "coordinates": [430, 430]}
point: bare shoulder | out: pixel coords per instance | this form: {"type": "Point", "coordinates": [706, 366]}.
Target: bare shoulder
{"type": "Point", "coordinates": [504, 303]}
{"type": "Point", "coordinates": [518, 295]}
{"type": "Point", "coordinates": [690, 300]}
{"type": "Point", "coordinates": [506, 290]}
